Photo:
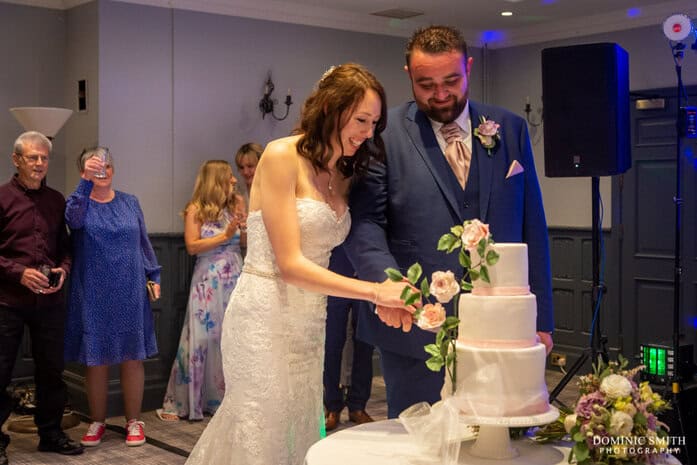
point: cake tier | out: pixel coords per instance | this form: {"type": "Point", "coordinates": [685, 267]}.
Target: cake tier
{"type": "Point", "coordinates": [501, 382]}
{"type": "Point", "coordinates": [509, 276]}
{"type": "Point", "coordinates": [500, 321]}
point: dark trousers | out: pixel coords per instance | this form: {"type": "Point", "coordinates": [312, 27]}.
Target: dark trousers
{"type": "Point", "coordinates": [408, 381]}
{"type": "Point", "coordinates": [46, 325]}
{"type": "Point", "coordinates": [338, 310]}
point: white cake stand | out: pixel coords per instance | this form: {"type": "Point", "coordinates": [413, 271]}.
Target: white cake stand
{"type": "Point", "coordinates": [493, 441]}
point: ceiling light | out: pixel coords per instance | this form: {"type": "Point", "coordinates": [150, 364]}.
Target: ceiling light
{"type": "Point", "coordinates": [506, 13]}
{"type": "Point", "coordinates": [398, 13]}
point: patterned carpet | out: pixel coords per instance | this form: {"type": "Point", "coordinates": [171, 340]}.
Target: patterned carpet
{"type": "Point", "coordinates": [168, 443]}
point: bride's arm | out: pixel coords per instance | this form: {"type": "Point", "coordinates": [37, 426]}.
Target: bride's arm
{"type": "Point", "coordinates": [278, 171]}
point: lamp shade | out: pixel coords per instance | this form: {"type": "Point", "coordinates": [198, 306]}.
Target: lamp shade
{"type": "Point", "coordinates": [46, 120]}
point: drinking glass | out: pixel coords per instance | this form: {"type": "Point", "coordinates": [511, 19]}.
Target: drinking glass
{"type": "Point", "coordinates": [101, 155]}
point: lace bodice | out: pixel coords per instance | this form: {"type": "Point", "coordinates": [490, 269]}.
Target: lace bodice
{"type": "Point", "coordinates": [320, 231]}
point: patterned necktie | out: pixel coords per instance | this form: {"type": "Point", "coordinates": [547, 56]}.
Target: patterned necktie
{"type": "Point", "coordinates": [456, 152]}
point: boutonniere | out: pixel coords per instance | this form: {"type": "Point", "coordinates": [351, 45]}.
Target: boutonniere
{"type": "Point", "coordinates": [488, 133]}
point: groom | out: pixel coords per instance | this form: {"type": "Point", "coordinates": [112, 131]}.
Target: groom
{"type": "Point", "coordinates": [436, 175]}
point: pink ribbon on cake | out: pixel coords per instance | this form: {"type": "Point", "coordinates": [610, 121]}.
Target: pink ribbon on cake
{"type": "Point", "coordinates": [498, 343]}
{"type": "Point", "coordinates": [496, 291]}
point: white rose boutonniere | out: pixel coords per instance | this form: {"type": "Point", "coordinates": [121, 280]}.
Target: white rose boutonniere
{"type": "Point", "coordinates": [488, 134]}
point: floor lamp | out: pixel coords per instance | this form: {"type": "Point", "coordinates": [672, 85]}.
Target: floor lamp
{"type": "Point", "coordinates": [48, 121]}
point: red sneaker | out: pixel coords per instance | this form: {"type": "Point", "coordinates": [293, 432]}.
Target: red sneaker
{"type": "Point", "coordinates": [94, 434]}
{"type": "Point", "coordinates": [135, 434]}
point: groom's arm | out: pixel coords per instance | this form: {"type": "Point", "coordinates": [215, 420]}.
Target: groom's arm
{"type": "Point", "coordinates": [367, 243]}
{"type": "Point", "coordinates": [536, 235]}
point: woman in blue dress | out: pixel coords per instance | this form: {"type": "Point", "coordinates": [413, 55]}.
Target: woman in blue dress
{"type": "Point", "coordinates": [212, 221]}
{"type": "Point", "coordinates": [109, 319]}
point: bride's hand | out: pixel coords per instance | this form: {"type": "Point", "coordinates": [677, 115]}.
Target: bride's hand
{"type": "Point", "coordinates": [389, 294]}
{"type": "Point", "coordinates": [390, 307]}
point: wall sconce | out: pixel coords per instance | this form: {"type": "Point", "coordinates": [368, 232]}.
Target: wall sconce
{"type": "Point", "coordinates": [528, 110]}
{"type": "Point", "coordinates": [266, 103]}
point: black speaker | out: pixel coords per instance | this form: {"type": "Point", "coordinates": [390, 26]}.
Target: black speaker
{"type": "Point", "coordinates": [682, 421]}
{"type": "Point", "coordinates": [585, 97]}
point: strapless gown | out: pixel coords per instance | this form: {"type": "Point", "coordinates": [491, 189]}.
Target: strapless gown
{"type": "Point", "coordinates": [273, 351]}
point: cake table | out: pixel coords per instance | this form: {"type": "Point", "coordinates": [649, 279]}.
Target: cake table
{"type": "Point", "coordinates": [387, 443]}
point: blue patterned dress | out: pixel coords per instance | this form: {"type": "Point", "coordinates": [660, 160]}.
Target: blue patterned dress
{"type": "Point", "coordinates": [196, 384]}
{"type": "Point", "coordinates": [109, 317]}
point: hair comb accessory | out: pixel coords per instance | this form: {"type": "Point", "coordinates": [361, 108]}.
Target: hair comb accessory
{"type": "Point", "coordinates": [326, 74]}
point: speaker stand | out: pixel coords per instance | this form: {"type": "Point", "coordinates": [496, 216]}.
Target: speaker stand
{"type": "Point", "coordinates": [676, 385]}
{"type": "Point", "coordinates": [598, 343]}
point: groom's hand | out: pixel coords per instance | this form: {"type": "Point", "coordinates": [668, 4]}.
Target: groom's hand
{"type": "Point", "coordinates": [395, 317]}
{"type": "Point", "coordinates": [546, 339]}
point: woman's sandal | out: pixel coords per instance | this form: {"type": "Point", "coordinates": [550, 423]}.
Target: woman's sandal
{"type": "Point", "coordinates": [165, 416]}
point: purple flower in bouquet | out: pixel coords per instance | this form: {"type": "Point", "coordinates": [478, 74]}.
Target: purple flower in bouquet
{"type": "Point", "coordinates": [586, 404]}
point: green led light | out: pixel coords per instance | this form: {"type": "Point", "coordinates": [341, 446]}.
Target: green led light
{"type": "Point", "coordinates": [661, 366]}
{"type": "Point", "coordinates": [652, 360]}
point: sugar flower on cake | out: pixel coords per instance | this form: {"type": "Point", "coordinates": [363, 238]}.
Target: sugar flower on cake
{"type": "Point", "coordinates": [615, 419]}
{"type": "Point", "coordinates": [444, 286]}
{"type": "Point", "coordinates": [431, 316]}
{"type": "Point", "coordinates": [472, 233]}
{"type": "Point", "coordinates": [467, 238]}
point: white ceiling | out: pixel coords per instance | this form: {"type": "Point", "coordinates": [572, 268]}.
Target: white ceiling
{"type": "Point", "coordinates": [532, 21]}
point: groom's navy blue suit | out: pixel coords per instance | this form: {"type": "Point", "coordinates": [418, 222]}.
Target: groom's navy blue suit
{"type": "Point", "coordinates": [400, 210]}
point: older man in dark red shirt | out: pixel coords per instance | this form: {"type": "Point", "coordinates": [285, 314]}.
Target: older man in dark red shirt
{"type": "Point", "coordinates": [34, 261]}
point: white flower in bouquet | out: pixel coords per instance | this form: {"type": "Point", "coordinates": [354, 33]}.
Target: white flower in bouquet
{"type": "Point", "coordinates": [621, 424]}
{"type": "Point", "coordinates": [444, 286]}
{"type": "Point", "coordinates": [569, 422]}
{"type": "Point", "coordinates": [616, 386]}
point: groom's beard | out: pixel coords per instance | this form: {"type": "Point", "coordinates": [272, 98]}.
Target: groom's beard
{"type": "Point", "coordinates": [445, 114]}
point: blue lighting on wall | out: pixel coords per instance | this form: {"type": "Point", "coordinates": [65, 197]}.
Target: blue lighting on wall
{"type": "Point", "coordinates": [693, 321]}
{"type": "Point", "coordinates": [488, 37]}
{"type": "Point", "coordinates": [548, 2]}
{"type": "Point", "coordinates": [690, 156]}
{"type": "Point", "coordinates": [633, 12]}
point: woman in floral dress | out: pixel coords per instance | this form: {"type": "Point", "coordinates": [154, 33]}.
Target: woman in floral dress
{"type": "Point", "coordinates": [214, 230]}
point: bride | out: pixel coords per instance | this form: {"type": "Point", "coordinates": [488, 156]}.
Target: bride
{"type": "Point", "coordinates": [273, 331]}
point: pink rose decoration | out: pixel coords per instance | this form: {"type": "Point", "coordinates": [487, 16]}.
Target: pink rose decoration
{"type": "Point", "coordinates": [444, 286]}
{"type": "Point", "coordinates": [473, 232]}
{"type": "Point", "coordinates": [489, 128]}
{"type": "Point", "coordinates": [488, 133]}
{"type": "Point", "coordinates": [432, 316]}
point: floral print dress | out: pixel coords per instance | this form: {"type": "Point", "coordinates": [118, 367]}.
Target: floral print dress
{"type": "Point", "coordinates": [196, 384]}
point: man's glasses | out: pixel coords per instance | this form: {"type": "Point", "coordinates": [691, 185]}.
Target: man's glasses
{"type": "Point", "coordinates": [36, 158]}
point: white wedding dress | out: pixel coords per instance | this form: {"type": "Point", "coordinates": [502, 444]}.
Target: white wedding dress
{"type": "Point", "coordinates": [273, 352]}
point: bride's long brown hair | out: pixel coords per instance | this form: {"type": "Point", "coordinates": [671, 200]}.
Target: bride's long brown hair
{"type": "Point", "coordinates": [337, 94]}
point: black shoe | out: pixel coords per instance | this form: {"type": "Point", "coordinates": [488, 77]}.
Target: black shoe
{"type": "Point", "coordinates": [61, 445]}
{"type": "Point", "coordinates": [4, 441]}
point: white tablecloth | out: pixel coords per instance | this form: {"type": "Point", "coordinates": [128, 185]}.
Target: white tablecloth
{"type": "Point", "coordinates": [387, 443]}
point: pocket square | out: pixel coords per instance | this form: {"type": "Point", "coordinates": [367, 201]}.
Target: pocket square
{"type": "Point", "coordinates": [515, 168]}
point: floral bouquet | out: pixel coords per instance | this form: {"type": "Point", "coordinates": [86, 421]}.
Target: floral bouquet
{"type": "Point", "coordinates": [465, 238]}
{"type": "Point", "coordinates": [614, 421]}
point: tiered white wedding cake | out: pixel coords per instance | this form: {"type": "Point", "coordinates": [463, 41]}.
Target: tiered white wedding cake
{"type": "Point", "coordinates": [500, 363]}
